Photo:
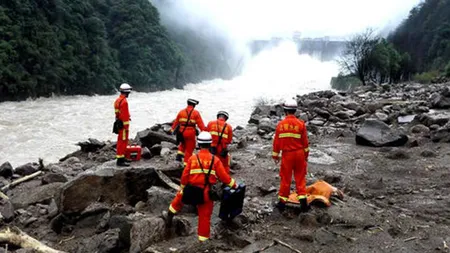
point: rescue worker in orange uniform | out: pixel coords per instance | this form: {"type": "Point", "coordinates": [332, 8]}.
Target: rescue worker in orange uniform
{"type": "Point", "coordinates": [185, 124]}
{"type": "Point", "coordinates": [291, 139]}
{"type": "Point", "coordinates": [122, 114]}
{"type": "Point", "coordinates": [222, 135]}
{"type": "Point", "coordinates": [194, 174]}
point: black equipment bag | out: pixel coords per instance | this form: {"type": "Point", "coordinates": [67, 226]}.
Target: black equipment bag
{"type": "Point", "coordinates": [193, 195]}
{"type": "Point", "coordinates": [118, 124]}
{"type": "Point", "coordinates": [232, 202]}
{"type": "Point", "coordinates": [213, 150]}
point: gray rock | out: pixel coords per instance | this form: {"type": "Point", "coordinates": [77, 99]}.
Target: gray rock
{"type": "Point", "coordinates": [169, 145]}
{"type": "Point", "coordinates": [377, 134]}
{"type": "Point", "coordinates": [159, 199]}
{"type": "Point", "coordinates": [317, 122]}
{"type": "Point", "coordinates": [51, 177]}
{"type": "Point", "coordinates": [382, 116]}
{"type": "Point", "coordinates": [266, 125]}
{"type": "Point", "coordinates": [428, 153]}
{"type": "Point", "coordinates": [146, 153]}
{"type": "Point", "coordinates": [27, 169]}
{"type": "Point", "coordinates": [441, 101]}
{"type": "Point", "coordinates": [405, 119]}
{"type": "Point", "coordinates": [107, 242]}
{"type": "Point", "coordinates": [6, 210]}
{"type": "Point", "coordinates": [72, 161]}
{"type": "Point", "coordinates": [148, 138]}
{"type": "Point", "coordinates": [165, 151]}
{"type": "Point", "coordinates": [352, 105]}
{"type": "Point", "coordinates": [254, 119]}
{"type": "Point", "coordinates": [398, 154]}
{"type": "Point", "coordinates": [156, 149]}
{"type": "Point", "coordinates": [6, 170]}
{"type": "Point", "coordinates": [434, 127]}
{"type": "Point", "coordinates": [52, 209]}
{"type": "Point", "coordinates": [303, 116]}
{"type": "Point", "coordinates": [40, 194]}
{"type": "Point", "coordinates": [124, 224]}
{"type": "Point", "coordinates": [110, 184]}
{"type": "Point", "coordinates": [420, 129]}
{"type": "Point", "coordinates": [441, 135]}
{"type": "Point", "coordinates": [91, 145]}
{"type": "Point", "coordinates": [322, 113]}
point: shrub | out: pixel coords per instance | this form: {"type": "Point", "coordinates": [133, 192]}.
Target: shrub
{"type": "Point", "coordinates": [426, 77]}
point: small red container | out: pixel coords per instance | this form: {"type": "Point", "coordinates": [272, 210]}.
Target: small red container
{"type": "Point", "coordinates": [133, 152]}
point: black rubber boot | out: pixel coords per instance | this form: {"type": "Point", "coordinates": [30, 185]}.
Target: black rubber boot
{"type": "Point", "coordinates": [122, 162]}
{"type": "Point", "coordinates": [281, 206]}
{"type": "Point", "coordinates": [304, 205]}
{"type": "Point", "coordinates": [179, 158]}
{"type": "Point", "coordinates": [168, 218]}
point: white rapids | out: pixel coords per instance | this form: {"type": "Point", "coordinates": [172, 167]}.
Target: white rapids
{"type": "Point", "coordinates": [50, 127]}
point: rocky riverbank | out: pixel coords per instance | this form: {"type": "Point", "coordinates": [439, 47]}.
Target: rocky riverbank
{"type": "Point", "coordinates": [385, 146]}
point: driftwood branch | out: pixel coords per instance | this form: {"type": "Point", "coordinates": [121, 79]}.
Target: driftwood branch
{"type": "Point", "coordinates": [167, 180]}
{"type": "Point", "coordinates": [17, 237]}
{"type": "Point", "coordinates": [3, 196]}
{"type": "Point", "coordinates": [21, 180]}
{"type": "Point", "coordinates": [287, 246]}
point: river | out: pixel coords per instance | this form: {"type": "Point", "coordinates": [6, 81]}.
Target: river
{"type": "Point", "coordinates": [50, 127]}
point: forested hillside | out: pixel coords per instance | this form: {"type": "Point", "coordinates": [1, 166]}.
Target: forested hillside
{"type": "Point", "coordinates": [425, 35]}
{"type": "Point", "coordinates": [83, 47]}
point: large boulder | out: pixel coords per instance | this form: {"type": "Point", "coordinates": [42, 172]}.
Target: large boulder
{"type": "Point", "coordinates": [159, 199]}
{"type": "Point", "coordinates": [40, 194]}
{"type": "Point", "coordinates": [27, 169]}
{"type": "Point", "coordinates": [110, 184]}
{"type": "Point", "coordinates": [442, 134]}
{"type": "Point", "coordinates": [91, 145]}
{"type": "Point", "coordinates": [442, 100]}
{"type": "Point", "coordinates": [148, 138]}
{"type": "Point", "coordinates": [376, 133]}
{"type": "Point", "coordinates": [6, 170]}
{"type": "Point", "coordinates": [266, 125]}
{"type": "Point", "coordinates": [6, 210]}
{"type": "Point", "coordinates": [107, 242]}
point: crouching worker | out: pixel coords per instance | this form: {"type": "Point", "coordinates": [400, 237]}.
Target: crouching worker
{"type": "Point", "coordinates": [201, 172]}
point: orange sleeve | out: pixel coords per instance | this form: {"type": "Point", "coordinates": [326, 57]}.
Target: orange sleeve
{"type": "Point", "coordinates": [175, 122]}
{"type": "Point", "coordinates": [276, 142]}
{"type": "Point", "coordinates": [208, 127]}
{"type": "Point", "coordinates": [305, 141]}
{"type": "Point", "coordinates": [124, 113]}
{"type": "Point", "coordinates": [199, 121]}
{"type": "Point", "coordinates": [222, 174]}
{"type": "Point", "coordinates": [186, 172]}
{"type": "Point", "coordinates": [230, 135]}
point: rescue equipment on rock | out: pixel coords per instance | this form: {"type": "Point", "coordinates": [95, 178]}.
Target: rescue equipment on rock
{"type": "Point", "coordinates": [232, 202]}
{"type": "Point", "coordinates": [133, 152]}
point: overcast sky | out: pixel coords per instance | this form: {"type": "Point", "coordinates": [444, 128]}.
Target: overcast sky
{"type": "Point", "coordinates": [253, 19]}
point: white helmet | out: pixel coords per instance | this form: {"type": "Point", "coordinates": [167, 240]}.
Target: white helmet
{"type": "Point", "coordinates": [125, 88]}
{"type": "Point", "coordinates": [290, 104]}
{"type": "Point", "coordinates": [204, 138]}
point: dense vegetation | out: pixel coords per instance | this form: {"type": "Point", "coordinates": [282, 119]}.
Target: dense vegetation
{"type": "Point", "coordinates": [83, 47]}
{"type": "Point", "coordinates": [418, 49]}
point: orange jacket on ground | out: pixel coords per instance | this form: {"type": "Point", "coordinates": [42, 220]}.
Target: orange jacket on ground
{"type": "Point", "coordinates": [290, 135]}
{"type": "Point", "coordinates": [215, 128]}
{"type": "Point", "coordinates": [319, 192]}
{"type": "Point", "coordinates": [121, 110]}
{"type": "Point", "coordinates": [194, 175]}
{"type": "Point", "coordinates": [194, 120]}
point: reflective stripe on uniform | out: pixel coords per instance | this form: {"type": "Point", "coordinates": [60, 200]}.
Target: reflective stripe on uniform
{"type": "Point", "coordinates": [120, 156]}
{"type": "Point", "coordinates": [290, 135]}
{"type": "Point", "coordinates": [231, 183]}
{"type": "Point", "coordinates": [180, 153]}
{"type": "Point", "coordinates": [217, 134]}
{"type": "Point", "coordinates": [171, 209]}
{"type": "Point", "coordinates": [200, 171]}
{"type": "Point", "coordinates": [182, 186]}
{"type": "Point", "coordinates": [126, 122]}
{"type": "Point", "coordinates": [285, 199]}
{"type": "Point", "coordinates": [301, 197]}
{"type": "Point", "coordinates": [185, 120]}
{"type": "Point", "coordinates": [275, 153]}
{"type": "Point", "coordinates": [116, 110]}
{"type": "Point", "coordinates": [124, 137]}
{"type": "Point", "coordinates": [202, 238]}
{"type": "Point", "coordinates": [306, 149]}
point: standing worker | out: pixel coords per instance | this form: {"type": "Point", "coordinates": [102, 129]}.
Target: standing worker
{"type": "Point", "coordinates": [222, 135]}
{"type": "Point", "coordinates": [291, 138]}
{"type": "Point", "coordinates": [201, 171]}
{"type": "Point", "coordinates": [184, 127]}
{"type": "Point", "coordinates": [122, 124]}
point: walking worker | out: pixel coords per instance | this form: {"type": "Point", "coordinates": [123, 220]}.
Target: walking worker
{"type": "Point", "coordinates": [122, 124]}
{"type": "Point", "coordinates": [185, 127]}
{"type": "Point", "coordinates": [201, 172]}
{"type": "Point", "coordinates": [291, 139]}
{"type": "Point", "coordinates": [222, 135]}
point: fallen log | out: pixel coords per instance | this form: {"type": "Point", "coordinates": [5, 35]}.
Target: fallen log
{"type": "Point", "coordinates": [19, 238]}
{"type": "Point", "coordinates": [21, 180]}
{"type": "Point", "coordinates": [3, 196]}
{"type": "Point", "coordinates": [287, 246]}
{"type": "Point", "coordinates": [167, 180]}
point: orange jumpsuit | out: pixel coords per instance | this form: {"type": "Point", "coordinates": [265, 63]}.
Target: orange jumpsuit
{"type": "Point", "coordinates": [187, 148]}
{"type": "Point", "coordinates": [122, 113]}
{"type": "Point", "coordinates": [215, 128]}
{"type": "Point", "coordinates": [192, 174]}
{"type": "Point", "coordinates": [291, 138]}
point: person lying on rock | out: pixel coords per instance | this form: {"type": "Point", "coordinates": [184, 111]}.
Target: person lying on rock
{"type": "Point", "coordinates": [291, 139]}
{"type": "Point", "coordinates": [201, 172]}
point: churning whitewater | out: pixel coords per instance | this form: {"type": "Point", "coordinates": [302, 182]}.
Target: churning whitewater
{"type": "Point", "coordinates": [50, 127]}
